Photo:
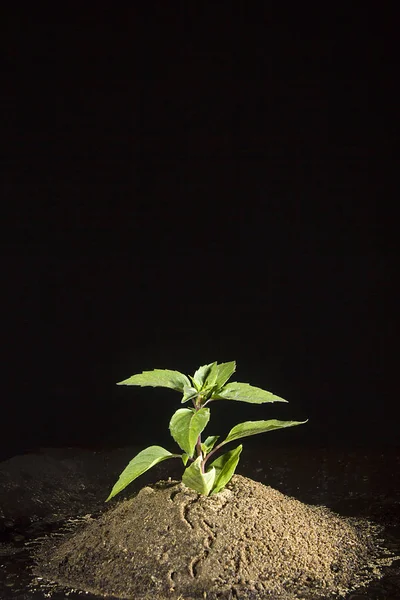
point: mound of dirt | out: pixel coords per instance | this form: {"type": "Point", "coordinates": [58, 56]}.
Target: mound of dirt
{"type": "Point", "coordinates": [248, 541]}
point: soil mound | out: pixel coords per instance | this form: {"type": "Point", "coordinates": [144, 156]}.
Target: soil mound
{"type": "Point", "coordinates": [249, 541]}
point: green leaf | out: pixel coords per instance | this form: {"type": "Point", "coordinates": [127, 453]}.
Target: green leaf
{"type": "Point", "coordinates": [211, 376]}
{"type": "Point", "coordinates": [189, 393]}
{"type": "Point", "coordinates": [225, 371]}
{"type": "Point", "coordinates": [244, 392]}
{"type": "Point", "coordinates": [140, 464]}
{"type": "Point", "coordinates": [209, 444]}
{"type": "Point", "coordinates": [185, 459]}
{"type": "Point", "coordinates": [195, 385]}
{"type": "Point", "coordinates": [254, 427]}
{"type": "Point", "coordinates": [159, 378]}
{"type": "Point", "coordinates": [205, 374]}
{"type": "Point", "coordinates": [196, 480]}
{"type": "Point", "coordinates": [186, 425]}
{"type": "Point", "coordinates": [225, 467]}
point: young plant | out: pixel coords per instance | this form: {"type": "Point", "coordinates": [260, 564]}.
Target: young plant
{"type": "Point", "coordinates": [209, 383]}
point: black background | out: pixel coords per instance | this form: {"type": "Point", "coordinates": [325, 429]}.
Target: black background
{"type": "Point", "coordinates": [184, 184]}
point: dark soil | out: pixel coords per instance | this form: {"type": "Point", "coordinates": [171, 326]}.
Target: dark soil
{"type": "Point", "coordinates": [249, 541]}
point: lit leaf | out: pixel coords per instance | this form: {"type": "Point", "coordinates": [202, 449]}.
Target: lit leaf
{"type": "Point", "coordinates": [140, 464]}
{"type": "Point", "coordinates": [189, 393]}
{"type": "Point", "coordinates": [159, 378]}
{"type": "Point", "coordinates": [209, 444]}
{"type": "Point", "coordinates": [205, 374]}
{"type": "Point", "coordinates": [254, 427]}
{"type": "Point", "coordinates": [225, 371]}
{"type": "Point", "coordinates": [244, 392]}
{"type": "Point", "coordinates": [225, 467]}
{"type": "Point", "coordinates": [198, 481]}
{"type": "Point", "coordinates": [195, 385]}
{"type": "Point", "coordinates": [186, 425]}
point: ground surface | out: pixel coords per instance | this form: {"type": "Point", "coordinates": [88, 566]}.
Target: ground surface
{"type": "Point", "coordinates": [251, 529]}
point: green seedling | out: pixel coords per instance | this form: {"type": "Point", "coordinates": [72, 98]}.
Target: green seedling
{"type": "Point", "coordinates": [208, 384]}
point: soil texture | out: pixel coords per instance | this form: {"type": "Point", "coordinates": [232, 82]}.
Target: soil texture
{"type": "Point", "coordinates": [250, 541]}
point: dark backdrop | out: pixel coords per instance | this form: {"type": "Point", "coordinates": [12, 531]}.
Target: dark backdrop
{"type": "Point", "coordinates": [188, 185]}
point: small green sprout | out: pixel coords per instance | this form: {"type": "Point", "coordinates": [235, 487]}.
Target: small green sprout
{"type": "Point", "coordinates": [209, 383]}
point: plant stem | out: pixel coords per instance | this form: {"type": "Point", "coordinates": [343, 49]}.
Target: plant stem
{"type": "Point", "coordinates": [197, 405]}
{"type": "Point", "coordinates": [212, 452]}
{"type": "Point", "coordinates": [200, 453]}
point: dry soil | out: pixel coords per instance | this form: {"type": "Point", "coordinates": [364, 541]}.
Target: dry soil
{"type": "Point", "coordinates": [247, 542]}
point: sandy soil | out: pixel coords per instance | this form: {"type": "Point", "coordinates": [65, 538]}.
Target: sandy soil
{"type": "Point", "coordinates": [248, 542]}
